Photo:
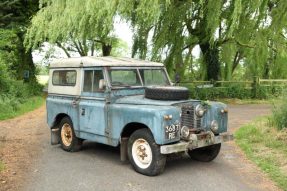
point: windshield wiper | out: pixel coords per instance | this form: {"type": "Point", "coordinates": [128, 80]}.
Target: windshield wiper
{"type": "Point", "coordinates": [119, 84]}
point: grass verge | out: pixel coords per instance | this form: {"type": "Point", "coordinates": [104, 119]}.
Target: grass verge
{"type": "Point", "coordinates": [266, 146]}
{"type": "Point", "coordinates": [29, 105]}
{"type": "Point", "coordinates": [246, 101]}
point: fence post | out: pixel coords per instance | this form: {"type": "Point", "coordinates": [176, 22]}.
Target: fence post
{"type": "Point", "coordinates": [255, 86]}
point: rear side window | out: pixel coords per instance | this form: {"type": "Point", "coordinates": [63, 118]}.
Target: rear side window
{"type": "Point", "coordinates": [64, 78]}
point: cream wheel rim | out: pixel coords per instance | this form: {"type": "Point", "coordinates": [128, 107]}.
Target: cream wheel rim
{"type": "Point", "coordinates": [142, 153]}
{"type": "Point", "coordinates": [66, 134]}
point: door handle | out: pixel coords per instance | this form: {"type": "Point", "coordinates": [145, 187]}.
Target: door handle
{"type": "Point", "coordinates": [83, 112]}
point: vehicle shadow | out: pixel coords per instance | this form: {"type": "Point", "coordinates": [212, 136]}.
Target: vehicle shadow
{"type": "Point", "coordinates": [101, 151]}
{"type": "Point", "coordinates": [111, 155]}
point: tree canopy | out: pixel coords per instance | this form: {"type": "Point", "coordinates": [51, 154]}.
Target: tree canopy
{"type": "Point", "coordinates": [246, 37]}
{"type": "Point", "coordinates": [228, 32]}
{"type": "Point", "coordinates": [74, 25]}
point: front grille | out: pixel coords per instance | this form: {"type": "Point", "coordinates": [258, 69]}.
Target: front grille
{"type": "Point", "coordinates": [188, 117]}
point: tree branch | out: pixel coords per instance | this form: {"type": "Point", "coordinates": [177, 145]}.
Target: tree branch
{"type": "Point", "coordinates": [85, 47]}
{"type": "Point", "coordinates": [236, 60]}
{"type": "Point", "coordinates": [77, 47]}
{"type": "Point", "coordinates": [82, 49]}
{"type": "Point", "coordinates": [63, 48]}
{"type": "Point", "coordinates": [93, 48]}
{"type": "Point", "coordinates": [236, 41]}
{"type": "Point", "coordinates": [99, 41]}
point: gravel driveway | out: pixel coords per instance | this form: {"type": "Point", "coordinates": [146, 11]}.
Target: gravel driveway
{"type": "Point", "coordinates": [98, 167]}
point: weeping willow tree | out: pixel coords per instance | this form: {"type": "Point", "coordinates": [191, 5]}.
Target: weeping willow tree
{"type": "Point", "coordinates": [74, 25]}
{"type": "Point", "coordinates": [228, 32]}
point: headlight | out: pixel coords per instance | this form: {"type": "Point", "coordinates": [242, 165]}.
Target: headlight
{"type": "Point", "coordinates": [199, 110]}
{"type": "Point", "coordinates": [184, 132]}
{"type": "Point", "coordinates": [214, 126]}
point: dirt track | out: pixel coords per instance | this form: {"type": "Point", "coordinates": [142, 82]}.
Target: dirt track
{"type": "Point", "coordinates": [21, 142]}
{"type": "Point", "coordinates": [33, 164]}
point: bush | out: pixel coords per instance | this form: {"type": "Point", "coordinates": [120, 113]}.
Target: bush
{"type": "Point", "coordinates": [265, 92]}
{"type": "Point", "coordinates": [238, 91]}
{"type": "Point", "coordinates": [213, 93]}
{"type": "Point", "coordinates": [279, 116]}
{"type": "Point", "coordinates": [16, 93]}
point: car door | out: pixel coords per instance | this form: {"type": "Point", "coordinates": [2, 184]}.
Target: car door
{"type": "Point", "coordinates": [92, 106]}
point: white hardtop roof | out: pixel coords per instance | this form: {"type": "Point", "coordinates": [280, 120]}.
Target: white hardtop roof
{"type": "Point", "coordinates": [89, 61]}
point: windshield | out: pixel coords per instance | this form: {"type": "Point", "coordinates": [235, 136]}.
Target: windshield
{"type": "Point", "coordinates": [131, 77]}
{"type": "Point", "coordinates": [154, 77]}
{"type": "Point", "coordinates": [124, 77]}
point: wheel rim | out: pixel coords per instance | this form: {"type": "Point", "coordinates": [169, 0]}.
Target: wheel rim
{"type": "Point", "coordinates": [66, 134]}
{"type": "Point", "coordinates": [142, 154]}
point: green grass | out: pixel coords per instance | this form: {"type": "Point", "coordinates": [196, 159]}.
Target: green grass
{"type": "Point", "coordinates": [29, 105]}
{"type": "Point", "coordinates": [265, 146]}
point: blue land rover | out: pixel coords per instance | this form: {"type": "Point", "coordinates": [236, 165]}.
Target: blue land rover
{"type": "Point", "coordinates": [132, 104]}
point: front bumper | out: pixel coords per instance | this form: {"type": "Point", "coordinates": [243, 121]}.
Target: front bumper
{"type": "Point", "coordinates": [196, 141]}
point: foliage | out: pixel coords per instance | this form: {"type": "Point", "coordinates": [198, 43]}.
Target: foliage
{"type": "Point", "coordinates": [237, 91]}
{"type": "Point", "coordinates": [9, 56]}
{"type": "Point", "coordinates": [16, 13]}
{"type": "Point", "coordinates": [279, 115]}
{"type": "Point", "coordinates": [14, 18]}
{"type": "Point", "coordinates": [229, 33]}
{"type": "Point", "coordinates": [120, 48]}
{"type": "Point", "coordinates": [42, 70]}
{"type": "Point", "coordinates": [266, 146]}
{"type": "Point", "coordinates": [11, 106]}
{"type": "Point", "coordinates": [213, 93]}
{"type": "Point", "coordinates": [13, 93]}
{"type": "Point", "coordinates": [237, 38]}
{"type": "Point", "coordinates": [74, 25]}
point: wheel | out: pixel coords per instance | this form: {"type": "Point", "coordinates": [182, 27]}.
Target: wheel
{"type": "Point", "coordinates": [144, 154]}
{"type": "Point", "coordinates": [166, 93]}
{"type": "Point", "coordinates": [68, 140]}
{"type": "Point", "coordinates": [205, 154]}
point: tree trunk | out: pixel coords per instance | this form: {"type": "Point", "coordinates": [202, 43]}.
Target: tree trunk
{"type": "Point", "coordinates": [25, 62]}
{"type": "Point", "coordinates": [211, 60]}
{"type": "Point", "coordinates": [106, 49]}
{"type": "Point", "coordinates": [28, 65]}
{"type": "Point", "coordinates": [266, 71]}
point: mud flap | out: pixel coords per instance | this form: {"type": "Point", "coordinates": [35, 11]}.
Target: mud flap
{"type": "Point", "coordinates": [55, 136]}
{"type": "Point", "coordinates": [124, 149]}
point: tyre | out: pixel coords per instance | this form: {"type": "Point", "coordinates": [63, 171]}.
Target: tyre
{"type": "Point", "coordinates": [68, 140]}
{"type": "Point", "coordinates": [144, 154]}
{"type": "Point", "coordinates": [205, 154]}
{"type": "Point", "coordinates": [166, 93]}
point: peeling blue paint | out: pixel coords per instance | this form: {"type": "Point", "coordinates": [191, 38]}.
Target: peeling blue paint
{"type": "Point", "coordinates": [102, 116]}
{"type": "Point", "coordinates": [104, 122]}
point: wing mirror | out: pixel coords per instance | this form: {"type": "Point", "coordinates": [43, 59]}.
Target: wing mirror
{"type": "Point", "coordinates": [102, 84]}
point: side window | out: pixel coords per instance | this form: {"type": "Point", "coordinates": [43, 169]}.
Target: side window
{"type": "Point", "coordinates": [64, 78]}
{"type": "Point", "coordinates": [92, 79]}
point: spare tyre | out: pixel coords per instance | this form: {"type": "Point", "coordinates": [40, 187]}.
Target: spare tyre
{"type": "Point", "coordinates": [166, 93]}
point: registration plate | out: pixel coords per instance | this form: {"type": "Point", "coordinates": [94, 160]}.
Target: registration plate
{"type": "Point", "coordinates": [171, 131]}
